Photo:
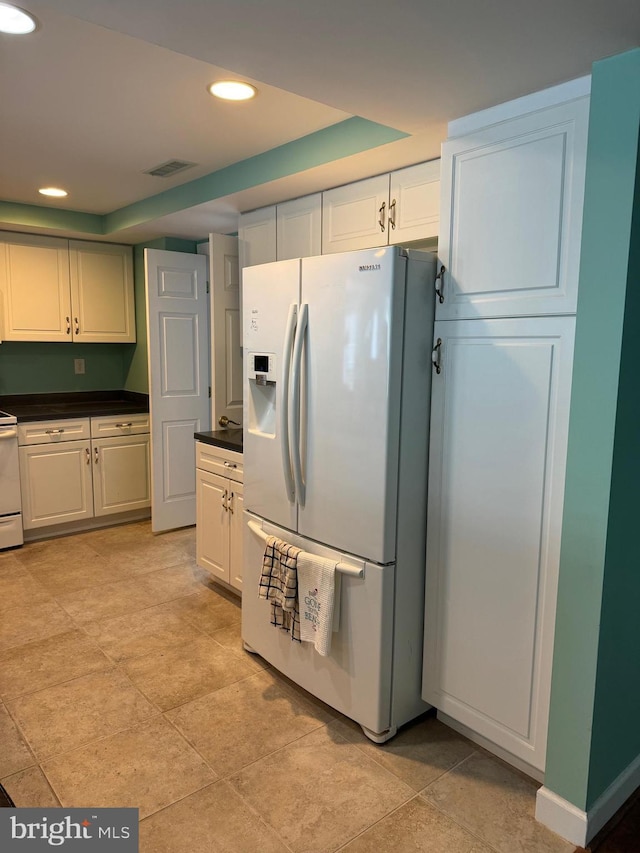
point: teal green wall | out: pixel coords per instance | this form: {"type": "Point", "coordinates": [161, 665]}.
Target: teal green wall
{"type": "Point", "coordinates": [339, 140]}
{"type": "Point", "coordinates": [136, 377]}
{"type": "Point", "coordinates": [32, 368]}
{"type": "Point", "coordinates": [594, 722]}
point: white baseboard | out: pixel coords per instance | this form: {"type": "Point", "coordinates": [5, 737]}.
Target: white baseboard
{"type": "Point", "coordinates": [485, 743]}
{"type": "Point", "coordinates": [580, 826]}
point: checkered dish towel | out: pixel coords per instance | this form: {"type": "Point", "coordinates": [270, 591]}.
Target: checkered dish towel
{"type": "Point", "coordinates": [279, 584]}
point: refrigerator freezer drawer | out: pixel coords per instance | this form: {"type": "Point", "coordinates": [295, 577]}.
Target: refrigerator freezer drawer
{"type": "Point", "coordinates": [356, 678]}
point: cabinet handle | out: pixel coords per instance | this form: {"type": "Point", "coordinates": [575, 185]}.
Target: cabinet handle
{"type": "Point", "coordinates": [68, 319]}
{"type": "Point", "coordinates": [230, 465]}
{"type": "Point", "coordinates": [435, 356]}
{"type": "Point", "coordinates": [124, 426]}
{"type": "Point", "coordinates": [95, 455]}
{"type": "Point", "coordinates": [54, 431]}
{"type": "Point", "coordinates": [224, 501]}
{"type": "Point", "coordinates": [230, 505]}
{"type": "Point", "coordinates": [75, 320]}
{"type": "Point", "coordinates": [440, 290]}
{"type": "Point", "coordinates": [381, 215]}
{"type": "Point", "coordinates": [88, 452]}
{"type": "Point", "coordinates": [392, 215]}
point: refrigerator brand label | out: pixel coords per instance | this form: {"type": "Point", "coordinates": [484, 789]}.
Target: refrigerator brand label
{"type": "Point", "coordinates": [368, 267]}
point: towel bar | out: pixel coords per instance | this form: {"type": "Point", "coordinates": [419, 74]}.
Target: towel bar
{"type": "Point", "coordinates": [343, 568]}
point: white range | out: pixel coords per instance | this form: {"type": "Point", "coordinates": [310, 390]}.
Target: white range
{"type": "Point", "coordinates": [10, 501]}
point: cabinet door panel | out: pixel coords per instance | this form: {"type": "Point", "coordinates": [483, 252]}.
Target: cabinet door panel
{"type": "Point", "coordinates": [121, 477]}
{"type": "Point", "coordinates": [352, 216]}
{"type": "Point", "coordinates": [511, 216]}
{"type": "Point", "coordinates": [235, 535]}
{"type": "Point", "coordinates": [299, 228]}
{"type": "Point", "coordinates": [56, 483]}
{"type": "Point", "coordinates": [415, 202]}
{"type": "Point", "coordinates": [34, 284]}
{"type": "Point", "coordinates": [257, 237]}
{"type": "Point", "coordinates": [496, 481]}
{"type": "Point", "coordinates": [212, 524]}
{"type": "Point", "coordinates": [102, 292]}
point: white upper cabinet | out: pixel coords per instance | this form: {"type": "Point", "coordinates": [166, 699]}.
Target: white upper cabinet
{"type": "Point", "coordinates": [512, 198]}
{"type": "Point", "coordinates": [102, 292]}
{"type": "Point", "coordinates": [355, 216]}
{"type": "Point", "coordinates": [34, 286]}
{"type": "Point", "coordinates": [60, 290]}
{"type": "Point", "coordinates": [389, 209]}
{"type": "Point", "coordinates": [299, 228]}
{"type": "Point", "coordinates": [414, 203]}
{"type": "Point", "coordinates": [257, 237]}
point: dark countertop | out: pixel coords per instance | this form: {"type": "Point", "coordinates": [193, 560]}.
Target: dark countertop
{"type": "Point", "coordinates": [78, 404]}
{"type": "Point", "coordinates": [230, 439]}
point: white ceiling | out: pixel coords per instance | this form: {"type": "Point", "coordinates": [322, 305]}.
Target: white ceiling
{"type": "Point", "coordinates": [106, 89]}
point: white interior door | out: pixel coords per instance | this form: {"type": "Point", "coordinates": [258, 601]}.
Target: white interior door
{"type": "Point", "coordinates": [226, 348]}
{"type": "Point", "coordinates": [177, 328]}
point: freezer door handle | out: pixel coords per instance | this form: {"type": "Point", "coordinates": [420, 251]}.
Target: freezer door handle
{"type": "Point", "coordinates": [294, 403]}
{"type": "Point", "coordinates": [285, 444]}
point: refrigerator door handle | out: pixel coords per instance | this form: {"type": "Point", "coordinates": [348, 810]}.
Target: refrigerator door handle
{"type": "Point", "coordinates": [294, 405]}
{"type": "Point", "coordinates": [285, 444]}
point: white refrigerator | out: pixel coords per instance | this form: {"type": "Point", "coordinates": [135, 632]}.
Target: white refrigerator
{"type": "Point", "coordinates": [337, 382]}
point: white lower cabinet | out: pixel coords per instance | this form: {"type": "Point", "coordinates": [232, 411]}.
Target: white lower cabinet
{"type": "Point", "coordinates": [499, 423]}
{"type": "Point", "coordinates": [73, 480]}
{"type": "Point", "coordinates": [219, 504]}
{"type": "Point", "coordinates": [56, 483]}
{"type": "Point", "coordinates": [121, 480]}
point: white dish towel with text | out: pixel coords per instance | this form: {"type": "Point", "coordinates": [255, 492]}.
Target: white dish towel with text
{"type": "Point", "coordinates": [319, 600]}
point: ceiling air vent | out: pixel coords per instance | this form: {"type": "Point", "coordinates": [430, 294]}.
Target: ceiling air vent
{"type": "Point", "coordinates": [171, 167]}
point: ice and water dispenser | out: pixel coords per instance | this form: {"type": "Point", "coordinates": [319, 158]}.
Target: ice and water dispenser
{"type": "Point", "coordinates": [262, 393]}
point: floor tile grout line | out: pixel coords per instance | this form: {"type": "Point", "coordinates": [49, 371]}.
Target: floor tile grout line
{"type": "Point", "coordinates": [118, 731]}
{"type": "Point", "coordinates": [109, 665]}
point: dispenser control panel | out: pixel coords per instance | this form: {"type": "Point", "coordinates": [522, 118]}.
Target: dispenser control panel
{"type": "Point", "coordinates": [262, 367]}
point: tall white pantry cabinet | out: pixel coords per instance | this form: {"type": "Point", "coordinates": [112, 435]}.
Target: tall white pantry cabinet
{"type": "Point", "coordinates": [511, 212]}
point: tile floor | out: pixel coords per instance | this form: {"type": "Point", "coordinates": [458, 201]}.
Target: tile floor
{"type": "Point", "coordinates": [123, 682]}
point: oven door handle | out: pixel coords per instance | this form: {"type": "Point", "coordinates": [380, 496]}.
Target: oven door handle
{"type": "Point", "coordinates": [8, 433]}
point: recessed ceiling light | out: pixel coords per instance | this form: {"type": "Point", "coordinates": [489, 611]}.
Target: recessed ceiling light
{"type": "Point", "coordinates": [53, 191]}
{"type": "Point", "coordinates": [232, 90]}
{"type": "Point", "coordinates": [15, 21]}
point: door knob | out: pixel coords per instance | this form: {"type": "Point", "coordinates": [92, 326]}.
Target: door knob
{"type": "Point", "coordinates": [224, 421]}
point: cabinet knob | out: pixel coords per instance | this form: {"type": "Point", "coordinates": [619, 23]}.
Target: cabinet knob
{"type": "Point", "coordinates": [440, 290]}
{"type": "Point", "coordinates": [392, 215]}
{"type": "Point", "coordinates": [435, 356]}
{"type": "Point", "coordinates": [381, 215]}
